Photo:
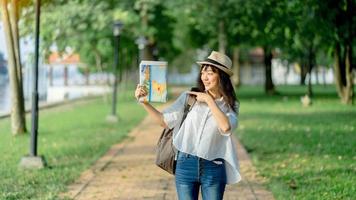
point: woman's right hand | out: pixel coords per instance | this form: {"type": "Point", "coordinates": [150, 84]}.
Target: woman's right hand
{"type": "Point", "coordinates": [141, 91]}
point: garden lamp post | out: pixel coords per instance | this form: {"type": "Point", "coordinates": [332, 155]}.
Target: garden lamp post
{"type": "Point", "coordinates": [116, 31]}
{"type": "Point", "coordinates": [33, 161]}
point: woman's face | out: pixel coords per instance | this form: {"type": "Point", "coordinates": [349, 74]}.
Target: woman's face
{"type": "Point", "coordinates": [209, 78]}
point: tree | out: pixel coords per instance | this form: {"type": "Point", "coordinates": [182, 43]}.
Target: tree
{"type": "Point", "coordinates": [209, 24]}
{"type": "Point", "coordinates": [230, 24]}
{"type": "Point", "coordinates": [81, 28]}
{"type": "Point", "coordinates": [344, 19]}
{"type": "Point", "coordinates": [87, 28]}
{"type": "Point", "coordinates": [10, 16]}
{"type": "Point", "coordinates": [156, 25]}
{"type": "Point", "coordinates": [306, 41]}
{"type": "Point", "coordinates": [267, 23]}
{"type": "Point", "coordinates": [341, 21]}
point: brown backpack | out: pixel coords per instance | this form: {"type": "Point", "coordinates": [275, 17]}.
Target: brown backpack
{"type": "Point", "coordinates": [165, 156]}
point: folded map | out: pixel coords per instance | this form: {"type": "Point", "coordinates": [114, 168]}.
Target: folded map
{"type": "Point", "coordinates": [153, 75]}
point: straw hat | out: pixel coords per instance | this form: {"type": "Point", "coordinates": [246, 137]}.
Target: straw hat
{"type": "Point", "coordinates": [220, 61]}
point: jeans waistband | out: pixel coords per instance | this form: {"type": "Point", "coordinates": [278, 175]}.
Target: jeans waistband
{"type": "Point", "coordinates": [186, 154]}
{"type": "Point", "coordinates": [192, 156]}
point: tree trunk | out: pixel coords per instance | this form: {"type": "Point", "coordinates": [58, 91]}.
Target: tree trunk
{"type": "Point", "coordinates": [349, 92]}
{"type": "Point", "coordinates": [317, 75]}
{"type": "Point", "coordinates": [87, 75]}
{"type": "Point", "coordinates": [337, 66]}
{"type": "Point", "coordinates": [303, 73]}
{"type": "Point", "coordinates": [16, 39]}
{"type": "Point", "coordinates": [344, 88]}
{"type": "Point", "coordinates": [17, 114]}
{"type": "Point", "coordinates": [50, 75]}
{"type": "Point", "coordinates": [99, 65]}
{"type": "Point", "coordinates": [147, 52]}
{"type": "Point", "coordinates": [269, 86]}
{"type": "Point", "coordinates": [351, 5]}
{"type": "Point", "coordinates": [236, 66]}
{"type": "Point", "coordinates": [286, 73]}
{"type": "Point", "coordinates": [323, 73]}
{"type": "Point", "coordinates": [65, 75]}
{"type": "Point", "coordinates": [311, 64]}
{"type": "Point", "coordinates": [310, 90]}
{"type": "Point", "coordinates": [14, 18]}
{"type": "Point", "coordinates": [124, 62]}
{"type": "Point", "coordinates": [15, 36]}
{"type": "Point", "coordinates": [222, 37]}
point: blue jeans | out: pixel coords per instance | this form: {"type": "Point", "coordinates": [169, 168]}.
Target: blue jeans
{"type": "Point", "coordinates": [193, 173]}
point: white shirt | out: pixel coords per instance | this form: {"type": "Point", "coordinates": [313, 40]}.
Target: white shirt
{"type": "Point", "coordinates": [200, 135]}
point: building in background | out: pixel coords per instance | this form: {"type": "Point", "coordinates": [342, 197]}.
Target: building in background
{"type": "Point", "coordinates": [253, 71]}
{"type": "Point", "coordinates": [64, 69]}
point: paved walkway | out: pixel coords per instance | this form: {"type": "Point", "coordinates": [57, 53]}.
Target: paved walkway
{"type": "Point", "coordinates": [127, 171]}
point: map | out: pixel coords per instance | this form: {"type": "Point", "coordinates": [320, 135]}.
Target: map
{"type": "Point", "coordinates": [153, 75]}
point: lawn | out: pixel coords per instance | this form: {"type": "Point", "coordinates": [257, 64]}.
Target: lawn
{"type": "Point", "coordinates": [303, 152]}
{"type": "Point", "coordinates": [71, 138]}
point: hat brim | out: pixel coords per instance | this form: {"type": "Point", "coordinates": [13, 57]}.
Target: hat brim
{"type": "Point", "coordinates": [224, 69]}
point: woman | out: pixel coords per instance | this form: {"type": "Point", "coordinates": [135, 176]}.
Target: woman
{"type": "Point", "coordinates": [206, 153]}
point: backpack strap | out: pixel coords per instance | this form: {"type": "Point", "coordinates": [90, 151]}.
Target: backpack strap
{"type": "Point", "coordinates": [189, 103]}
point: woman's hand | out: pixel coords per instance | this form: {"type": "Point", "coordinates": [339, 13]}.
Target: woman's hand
{"type": "Point", "coordinates": [220, 117]}
{"type": "Point", "coordinates": [201, 96]}
{"type": "Point", "coordinates": [141, 91]}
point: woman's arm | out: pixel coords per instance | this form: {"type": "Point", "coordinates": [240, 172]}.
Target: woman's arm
{"type": "Point", "coordinates": [153, 112]}
{"type": "Point", "coordinates": [220, 117]}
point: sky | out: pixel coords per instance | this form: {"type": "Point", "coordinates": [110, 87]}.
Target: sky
{"type": "Point", "coordinates": [2, 41]}
{"type": "Point", "coordinates": [26, 46]}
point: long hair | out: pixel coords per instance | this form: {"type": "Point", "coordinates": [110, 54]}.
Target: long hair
{"type": "Point", "coordinates": [225, 86]}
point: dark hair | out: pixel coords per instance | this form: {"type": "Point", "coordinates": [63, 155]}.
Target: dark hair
{"type": "Point", "coordinates": [225, 86]}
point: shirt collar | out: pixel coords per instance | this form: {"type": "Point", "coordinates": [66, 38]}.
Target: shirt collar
{"type": "Point", "coordinates": [220, 99]}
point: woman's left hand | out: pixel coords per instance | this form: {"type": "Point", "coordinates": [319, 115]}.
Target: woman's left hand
{"type": "Point", "coordinates": [201, 96]}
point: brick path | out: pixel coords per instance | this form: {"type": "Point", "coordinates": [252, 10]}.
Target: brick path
{"type": "Point", "coordinates": [127, 171]}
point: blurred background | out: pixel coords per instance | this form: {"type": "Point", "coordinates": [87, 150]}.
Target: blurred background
{"type": "Point", "coordinates": [271, 43]}
{"type": "Point", "coordinates": [294, 67]}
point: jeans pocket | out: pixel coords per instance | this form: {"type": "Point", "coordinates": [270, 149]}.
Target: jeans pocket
{"type": "Point", "coordinates": [182, 156]}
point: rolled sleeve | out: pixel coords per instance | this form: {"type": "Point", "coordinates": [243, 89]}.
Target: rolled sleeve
{"type": "Point", "coordinates": [173, 114]}
{"type": "Point", "coordinates": [171, 119]}
{"type": "Point", "coordinates": [232, 116]}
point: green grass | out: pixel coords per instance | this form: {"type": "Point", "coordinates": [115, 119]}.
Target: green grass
{"type": "Point", "coordinates": [71, 138]}
{"type": "Point", "coordinates": [304, 153]}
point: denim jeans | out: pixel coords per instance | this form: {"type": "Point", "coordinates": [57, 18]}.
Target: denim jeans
{"type": "Point", "coordinates": [193, 173]}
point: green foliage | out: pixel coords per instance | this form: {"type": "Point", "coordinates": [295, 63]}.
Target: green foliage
{"type": "Point", "coordinates": [86, 26]}
{"type": "Point", "coordinates": [306, 34]}
{"type": "Point", "coordinates": [71, 138]}
{"type": "Point", "coordinates": [304, 153]}
{"type": "Point", "coordinates": [82, 28]}
{"type": "Point", "coordinates": [198, 21]}
{"type": "Point", "coordinates": [297, 30]}
{"type": "Point", "coordinates": [164, 26]}
{"type": "Point", "coordinates": [264, 21]}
